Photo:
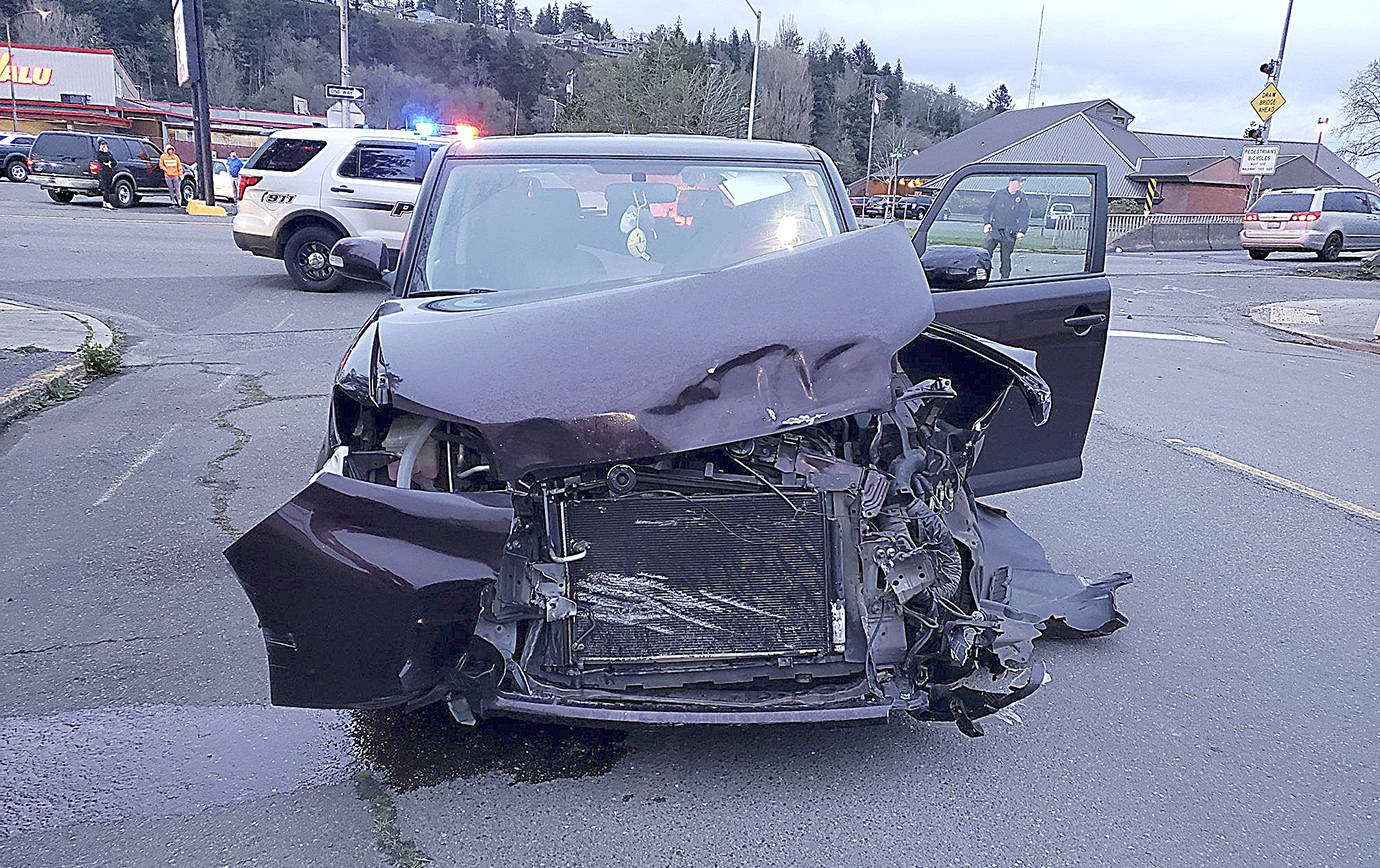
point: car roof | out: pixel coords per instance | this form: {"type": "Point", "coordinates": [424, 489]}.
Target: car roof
{"type": "Point", "coordinates": [1324, 189]}
{"type": "Point", "coordinates": [340, 134]}
{"type": "Point", "coordinates": [623, 145]}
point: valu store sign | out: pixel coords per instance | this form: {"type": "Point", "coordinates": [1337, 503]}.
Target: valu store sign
{"type": "Point", "coordinates": [19, 73]}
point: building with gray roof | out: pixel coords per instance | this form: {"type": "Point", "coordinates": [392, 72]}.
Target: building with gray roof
{"type": "Point", "coordinates": [1191, 172]}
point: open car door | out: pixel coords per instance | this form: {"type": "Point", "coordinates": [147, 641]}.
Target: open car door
{"type": "Point", "coordinates": [1051, 296]}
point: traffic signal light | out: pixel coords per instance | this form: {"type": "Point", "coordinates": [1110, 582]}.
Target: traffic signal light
{"type": "Point", "coordinates": [1253, 132]}
{"type": "Point", "coordinates": [1269, 67]}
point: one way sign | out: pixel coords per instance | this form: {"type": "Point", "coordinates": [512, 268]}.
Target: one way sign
{"type": "Point", "coordinates": [344, 91]}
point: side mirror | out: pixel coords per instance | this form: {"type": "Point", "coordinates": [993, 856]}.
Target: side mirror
{"type": "Point", "coordinates": [363, 259]}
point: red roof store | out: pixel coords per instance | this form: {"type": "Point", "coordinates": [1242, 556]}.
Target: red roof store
{"type": "Point", "coordinates": [88, 89]}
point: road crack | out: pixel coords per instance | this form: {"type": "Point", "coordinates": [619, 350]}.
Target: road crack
{"type": "Point", "coordinates": [72, 646]}
{"type": "Point", "coordinates": [252, 393]}
{"type": "Point", "coordinates": [388, 838]}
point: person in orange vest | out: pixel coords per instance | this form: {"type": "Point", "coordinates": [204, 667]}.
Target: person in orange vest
{"type": "Point", "coordinates": [172, 174]}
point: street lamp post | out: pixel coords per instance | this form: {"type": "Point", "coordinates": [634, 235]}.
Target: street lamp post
{"type": "Point", "coordinates": [756, 50]}
{"type": "Point", "coordinates": [14, 69]}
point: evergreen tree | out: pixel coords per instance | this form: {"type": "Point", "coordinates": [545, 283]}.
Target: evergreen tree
{"type": "Point", "coordinates": [999, 100]}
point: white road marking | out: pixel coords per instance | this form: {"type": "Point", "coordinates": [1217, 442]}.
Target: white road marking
{"type": "Point", "coordinates": [221, 384]}
{"type": "Point", "coordinates": [1297, 487]}
{"type": "Point", "coordinates": [282, 321]}
{"type": "Point", "coordinates": [1163, 336]}
{"type": "Point", "coordinates": [130, 221]}
{"type": "Point", "coordinates": [133, 468]}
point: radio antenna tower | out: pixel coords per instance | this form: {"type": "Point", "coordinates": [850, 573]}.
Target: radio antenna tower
{"type": "Point", "coordinates": [1035, 73]}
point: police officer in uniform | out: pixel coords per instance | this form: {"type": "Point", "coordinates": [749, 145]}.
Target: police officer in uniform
{"type": "Point", "coordinates": [1004, 222]}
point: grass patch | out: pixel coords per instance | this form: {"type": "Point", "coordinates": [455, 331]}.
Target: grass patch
{"type": "Point", "coordinates": [61, 389]}
{"type": "Point", "coordinates": [30, 348]}
{"type": "Point", "coordinates": [99, 361]}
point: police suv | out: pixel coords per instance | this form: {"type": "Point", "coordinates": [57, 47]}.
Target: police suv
{"type": "Point", "coordinates": [304, 189]}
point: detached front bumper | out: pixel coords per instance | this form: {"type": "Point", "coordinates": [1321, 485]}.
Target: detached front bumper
{"type": "Point", "coordinates": [367, 595]}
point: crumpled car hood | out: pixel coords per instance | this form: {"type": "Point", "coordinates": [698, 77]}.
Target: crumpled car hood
{"type": "Point", "coordinates": [655, 367]}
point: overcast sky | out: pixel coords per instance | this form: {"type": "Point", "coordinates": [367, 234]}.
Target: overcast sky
{"type": "Point", "coordinates": [1178, 65]}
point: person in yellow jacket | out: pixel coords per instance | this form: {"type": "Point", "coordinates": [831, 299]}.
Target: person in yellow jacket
{"type": "Point", "coordinates": [171, 165]}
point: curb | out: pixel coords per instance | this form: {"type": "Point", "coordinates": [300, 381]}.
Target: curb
{"type": "Point", "coordinates": [1261, 315]}
{"type": "Point", "coordinates": [18, 400]}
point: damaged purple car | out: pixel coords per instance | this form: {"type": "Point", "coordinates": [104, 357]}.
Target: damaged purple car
{"type": "Point", "coordinates": [649, 432]}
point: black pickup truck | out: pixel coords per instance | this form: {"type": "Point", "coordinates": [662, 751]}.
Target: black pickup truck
{"type": "Point", "coordinates": [14, 153]}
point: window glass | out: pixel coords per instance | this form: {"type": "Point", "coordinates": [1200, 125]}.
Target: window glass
{"type": "Point", "coordinates": [561, 224]}
{"type": "Point", "coordinates": [1374, 203]}
{"type": "Point", "coordinates": [284, 154]}
{"type": "Point", "coordinates": [387, 164]}
{"type": "Point", "coordinates": [125, 149]}
{"type": "Point", "coordinates": [1345, 200]}
{"type": "Point", "coordinates": [58, 145]}
{"type": "Point", "coordinates": [1283, 203]}
{"type": "Point", "coordinates": [1034, 225]}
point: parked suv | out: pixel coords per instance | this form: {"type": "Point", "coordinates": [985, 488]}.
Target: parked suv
{"type": "Point", "coordinates": [14, 151]}
{"type": "Point", "coordinates": [305, 189]}
{"type": "Point", "coordinates": [1324, 220]}
{"type": "Point", "coordinates": [64, 164]}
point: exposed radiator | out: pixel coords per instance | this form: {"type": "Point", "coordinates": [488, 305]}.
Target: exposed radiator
{"type": "Point", "coordinates": [697, 578]}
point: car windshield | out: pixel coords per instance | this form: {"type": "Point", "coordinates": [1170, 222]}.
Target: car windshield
{"type": "Point", "coordinates": [502, 224]}
{"type": "Point", "coordinates": [1284, 202]}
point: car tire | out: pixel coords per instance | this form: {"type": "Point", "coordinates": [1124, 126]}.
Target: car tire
{"type": "Point", "coordinates": [62, 197]}
{"type": "Point", "coordinates": [1258, 254]}
{"type": "Point", "coordinates": [188, 190]}
{"type": "Point", "coordinates": [122, 192]}
{"type": "Point", "coordinates": [17, 171]}
{"type": "Point", "coordinates": [305, 256]}
{"type": "Point", "coordinates": [1332, 248]}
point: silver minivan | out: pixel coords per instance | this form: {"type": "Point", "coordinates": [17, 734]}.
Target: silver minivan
{"type": "Point", "coordinates": [1323, 220]}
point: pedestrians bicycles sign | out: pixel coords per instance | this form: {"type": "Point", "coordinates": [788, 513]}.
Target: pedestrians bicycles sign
{"type": "Point", "coordinates": [1259, 160]}
{"type": "Point", "coordinates": [344, 91]}
{"type": "Point", "coordinates": [1268, 101]}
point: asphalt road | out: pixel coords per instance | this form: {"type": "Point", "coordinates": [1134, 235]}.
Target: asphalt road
{"type": "Point", "coordinates": [1234, 721]}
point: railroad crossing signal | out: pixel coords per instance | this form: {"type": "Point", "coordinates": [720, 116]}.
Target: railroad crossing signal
{"type": "Point", "coordinates": [1268, 101]}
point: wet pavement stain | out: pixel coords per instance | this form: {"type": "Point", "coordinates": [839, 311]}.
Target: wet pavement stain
{"type": "Point", "coordinates": [105, 764]}
{"type": "Point", "coordinates": [102, 764]}
{"type": "Point", "coordinates": [427, 747]}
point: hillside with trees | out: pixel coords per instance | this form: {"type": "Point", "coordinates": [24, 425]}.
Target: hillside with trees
{"type": "Point", "coordinates": [495, 65]}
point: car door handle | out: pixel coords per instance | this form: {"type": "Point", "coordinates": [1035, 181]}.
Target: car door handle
{"type": "Point", "coordinates": [1085, 321]}
{"type": "Point", "coordinates": [341, 188]}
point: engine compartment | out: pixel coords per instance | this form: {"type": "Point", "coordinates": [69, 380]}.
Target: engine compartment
{"type": "Point", "coordinates": [839, 562]}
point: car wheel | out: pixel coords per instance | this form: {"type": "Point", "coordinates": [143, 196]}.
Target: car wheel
{"type": "Point", "coordinates": [1331, 248]}
{"type": "Point", "coordinates": [1258, 254]}
{"type": "Point", "coordinates": [307, 257]}
{"type": "Point", "coordinates": [17, 171]}
{"type": "Point", "coordinates": [62, 197]}
{"type": "Point", "coordinates": [123, 194]}
{"type": "Point", "coordinates": [188, 192]}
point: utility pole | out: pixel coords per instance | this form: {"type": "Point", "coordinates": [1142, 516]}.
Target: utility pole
{"type": "Point", "coordinates": [756, 51]}
{"type": "Point", "coordinates": [14, 68]}
{"type": "Point", "coordinates": [1274, 67]}
{"type": "Point", "coordinates": [873, 109]}
{"type": "Point", "coordinates": [344, 41]}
